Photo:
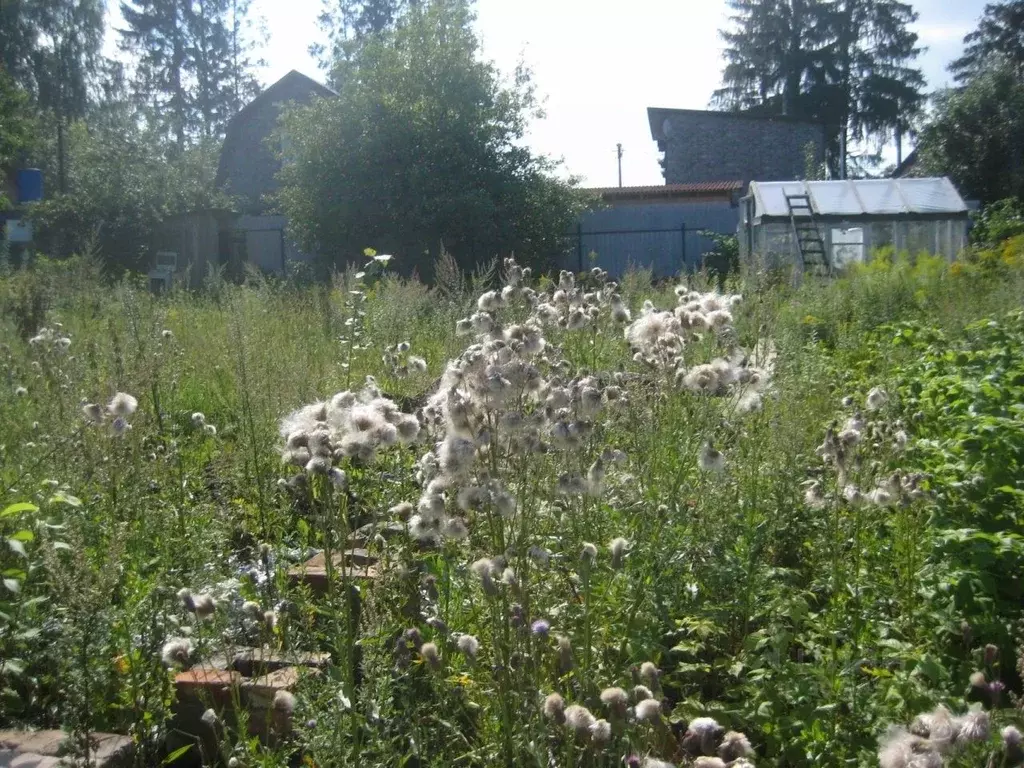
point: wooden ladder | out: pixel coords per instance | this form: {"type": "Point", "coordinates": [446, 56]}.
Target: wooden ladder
{"type": "Point", "coordinates": [809, 244]}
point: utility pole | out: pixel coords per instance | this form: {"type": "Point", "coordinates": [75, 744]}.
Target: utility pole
{"type": "Point", "coordinates": [618, 154]}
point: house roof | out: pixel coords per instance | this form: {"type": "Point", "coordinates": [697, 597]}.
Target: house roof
{"type": "Point", "coordinates": [907, 166]}
{"type": "Point", "coordinates": [656, 117]}
{"type": "Point", "coordinates": [861, 197]}
{"type": "Point", "coordinates": [695, 189]}
{"type": "Point", "coordinates": [274, 90]}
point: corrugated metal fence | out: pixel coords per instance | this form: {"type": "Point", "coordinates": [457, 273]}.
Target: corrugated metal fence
{"type": "Point", "coordinates": [664, 238]}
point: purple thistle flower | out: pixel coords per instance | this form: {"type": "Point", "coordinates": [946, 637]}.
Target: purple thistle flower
{"type": "Point", "coordinates": [540, 627]}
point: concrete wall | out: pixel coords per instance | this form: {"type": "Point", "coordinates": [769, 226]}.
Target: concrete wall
{"type": "Point", "coordinates": [660, 235]}
{"type": "Point", "coordinates": [716, 146]}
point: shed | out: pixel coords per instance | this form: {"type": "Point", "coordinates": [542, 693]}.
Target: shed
{"type": "Point", "coordinates": [830, 224]}
{"type": "Point", "coordinates": [654, 227]}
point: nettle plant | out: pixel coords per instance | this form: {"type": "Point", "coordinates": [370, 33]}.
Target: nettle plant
{"type": "Point", "coordinates": [493, 634]}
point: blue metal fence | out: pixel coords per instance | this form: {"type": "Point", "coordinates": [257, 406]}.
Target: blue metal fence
{"type": "Point", "coordinates": [665, 238]}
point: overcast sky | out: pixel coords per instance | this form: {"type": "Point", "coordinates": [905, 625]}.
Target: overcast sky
{"type": "Point", "coordinates": [600, 64]}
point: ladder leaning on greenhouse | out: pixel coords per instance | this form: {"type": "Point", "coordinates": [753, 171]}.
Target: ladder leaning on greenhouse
{"type": "Point", "coordinates": [809, 244]}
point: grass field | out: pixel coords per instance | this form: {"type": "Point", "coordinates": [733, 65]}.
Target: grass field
{"type": "Point", "coordinates": [686, 524]}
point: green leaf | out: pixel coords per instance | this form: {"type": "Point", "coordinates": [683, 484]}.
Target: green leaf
{"type": "Point", "coordinates": [17, 509]}
{"type": "Point", "coordinates": [65, 498]}
{"type": "Point", "coordinates": [176, 754]}
{"type": "Point", "coordinates": [24, 536]}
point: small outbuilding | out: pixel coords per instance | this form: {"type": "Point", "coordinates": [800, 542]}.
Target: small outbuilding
{"type": "Point", "coordinates": [826, 225]}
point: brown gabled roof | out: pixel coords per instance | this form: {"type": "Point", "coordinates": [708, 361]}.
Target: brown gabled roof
{"type": "Point", "coordinates": [695, 189]}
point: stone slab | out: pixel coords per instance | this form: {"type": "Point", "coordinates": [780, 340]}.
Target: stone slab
{"type": "Point", "coordinates": [20, 749]}
{"type": "Point", "coordinates": [252, 662]}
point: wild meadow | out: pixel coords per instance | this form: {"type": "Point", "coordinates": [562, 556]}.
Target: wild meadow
{"type": "Point", "coordinates": [694, 523]}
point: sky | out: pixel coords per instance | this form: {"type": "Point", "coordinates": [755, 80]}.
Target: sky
{"type": "Point", "coordinates": [599, 64]}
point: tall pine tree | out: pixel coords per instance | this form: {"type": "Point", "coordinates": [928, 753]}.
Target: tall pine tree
{"type": "Point", "coordinates": [846, 63]}
{"type": "Point", "coordinates": [1000, 35]}
{"type": "Point", "coordinates": [194, 62]}
{"type": "Point", "coordinates": [350, 22]}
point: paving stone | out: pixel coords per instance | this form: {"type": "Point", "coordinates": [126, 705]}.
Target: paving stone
{"type": "Point", "coordinates": [40, 742]}
{"type": "Point", "coordinates": [10, 758]}
{"type": "Point", "coordinates": [314, 572]}
{"type": "Point", "coordinates": [361, 536]}
{"type": "Point", "coordinates": [206, 684]}
{"type": "Point", "coordinates": [252, 662]}
{"type": "Point", "coordinates": [43, 748]}
{"type": "Point", "coordinates": [259, 691]}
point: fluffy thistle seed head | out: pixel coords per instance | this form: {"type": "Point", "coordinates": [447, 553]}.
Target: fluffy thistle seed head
{"type": "Point", "coordinates": [252, 609]}
{"type": "Point", "coordinates": [711, 459]}
{"type": "Point", "coordinates": [649, 673]}
{"type": "Point", "coordinates": [204, 605]}
{"type": "Point", "coordinates": [284, 703]}
{"type": "Point", "coordinates": [579, 719]}
{"type": "Point", "coordinates": [431, 655]}
{"type": "Point", "coordinates": [708, 762]}
{"type": "Point", "coordinates": [122, 404]}
{"type": "Point", "coordinates": [616, 699]}
{"type": "Point", "coordinates": [554, 708]}
{"type": "Point", "coordinates": [734, 746]}
{"type": "Point", "coordinates": [876, 398]}
{"type": "Point", "coordinates": [176, 652]}
{"type": "Point", "coordinates": [648, 711]}
{"type": "Point", "coordinates": [93, 412]}
{"type": "Point", "coordinates": [469, 645]}
{"type": "Point", "coordinates": [601, 731]}
{"type": "Point", "coordinates": [589, 553]}
{"type": "Point", "coordinates": [641, 693]}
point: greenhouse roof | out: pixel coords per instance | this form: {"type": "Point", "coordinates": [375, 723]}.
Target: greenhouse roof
{"type": "Point", "coordinates": [861, 197]}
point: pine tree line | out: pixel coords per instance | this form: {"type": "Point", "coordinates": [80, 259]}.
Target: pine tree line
{"type": "Point", "coordinates": [846, 63]}
{"type": "Point", "coordinates": [189, 64]}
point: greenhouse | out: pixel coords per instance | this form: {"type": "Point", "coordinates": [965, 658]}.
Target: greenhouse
{"type": "Point", "coordinates": [827, 225]}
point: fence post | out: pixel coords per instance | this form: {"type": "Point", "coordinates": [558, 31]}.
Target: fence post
{"type": "Point", "coordinates": [579, 246]}
{"type": "Point", "coordinates": [682, 231]}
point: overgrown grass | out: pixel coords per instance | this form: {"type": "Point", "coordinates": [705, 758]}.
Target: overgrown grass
{"type": "Point", "coordinates": [818, 588]}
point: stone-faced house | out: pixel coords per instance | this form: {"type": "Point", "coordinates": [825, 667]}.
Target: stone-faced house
{"type": "Point", "coordinates": [702, 146]}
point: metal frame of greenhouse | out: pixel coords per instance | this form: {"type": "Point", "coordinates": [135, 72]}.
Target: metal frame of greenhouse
{"type": "Point", "coordinates": [827, 225]}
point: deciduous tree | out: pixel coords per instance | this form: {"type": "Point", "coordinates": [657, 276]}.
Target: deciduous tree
{"type": "Point", "coordinates": [423, 146]}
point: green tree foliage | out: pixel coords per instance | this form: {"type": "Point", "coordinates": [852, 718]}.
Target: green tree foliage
{"type": "Point", "coordinates": [348, 22]}
{"type": "Point", "coordinates": [1000, 33]}
{"type": "Point", "coordinates": [977, 135]}
{"type": "Point", "coordinates": [52, 49]}
{"type": "Point", "coordinates": [124, 182]}
{"type": "Point", "coordinates": [847, 64]}
{"type": "Point", "coordinates": [17, 124]}
{"type": "Point", "coordinates": [194, 62]}
{"type": "Point", "coordinates": [423, 146]}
